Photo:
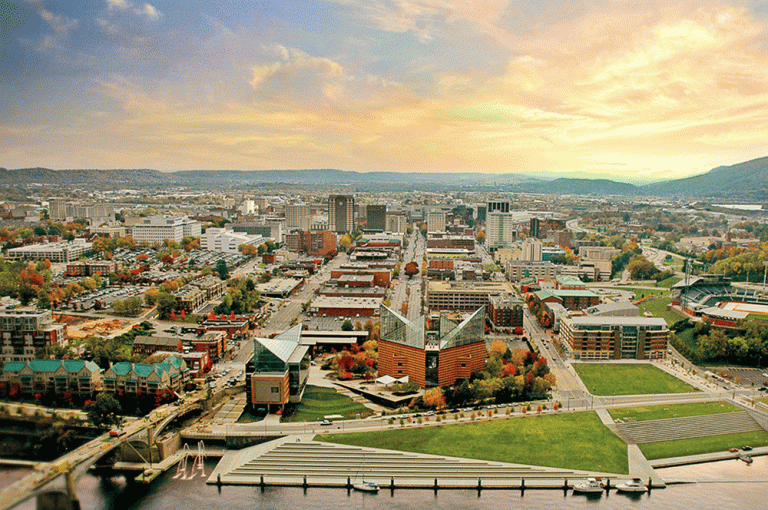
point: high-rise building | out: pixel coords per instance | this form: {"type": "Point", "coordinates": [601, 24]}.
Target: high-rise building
{"type": "Point", "coordinates": [377, 218]}
{"type": "Point", "coordinates": [298, 216]}
{"type": "Point", "coordinates": [498, 206]}
{"type": "Point", "coordinates": [500, 230]}
{"type": "Point", "coordinates": [535, 229]}
{"type": "Point", "coordinates": [341, 213]}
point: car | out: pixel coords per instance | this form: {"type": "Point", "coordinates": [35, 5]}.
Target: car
{"type": "Point", "coordinates": [116, 432]}
{"type": "Point", "coordinates": [746, 448]}
{"type": "Point", "coordinates": [326, 422]}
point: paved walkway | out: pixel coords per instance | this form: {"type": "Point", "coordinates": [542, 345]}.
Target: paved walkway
{"type": "Point", "coordinates": [639, 467]}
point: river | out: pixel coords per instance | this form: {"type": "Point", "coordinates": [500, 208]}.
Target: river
{"type": "Point", "coordinates": [726, 488]}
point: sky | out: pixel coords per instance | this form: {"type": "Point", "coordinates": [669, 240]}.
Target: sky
{"type": "Point", "coordinates": [621, 89]}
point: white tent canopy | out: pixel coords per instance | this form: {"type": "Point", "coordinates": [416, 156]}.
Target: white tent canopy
{"type": "Point", "coordinates": [388, 379]}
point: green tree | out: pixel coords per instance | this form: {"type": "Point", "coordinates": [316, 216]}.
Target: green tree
{"type": "Point", "coordinates": [347, 326]}
{"type": "Point", "coordinates": [105, 411]}
{"type": "Point", "coordinates": [166, 304]}
{"type": "Point", "coordinates": [222, 270]}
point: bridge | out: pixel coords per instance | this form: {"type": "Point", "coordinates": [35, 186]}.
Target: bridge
{"type": "Point", "coordinates": [53, 483]}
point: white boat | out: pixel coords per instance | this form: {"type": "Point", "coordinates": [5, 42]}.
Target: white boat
{"type": "Point", "coordinates": [366, 486]}
{"type": "Point", "coordinates": [591, 486]}
{"type": "Point", "coordinates": [635, 485]}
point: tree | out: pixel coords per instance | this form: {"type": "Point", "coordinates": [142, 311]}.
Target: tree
{"type": "Point", "coordinates": [222, 270]}
{"type": "Point", "coordinates": [434, 398]}
{"type": "Point", "coordinates": [347, 326]}
{"type": "Point", "coordinates": [411, 269]}
{"type": "Point", "coordinates": [481, 237]}
{"type": "Point", "coordinates": [105, 411]}
{"type": "Point", "coordinates": [166, 304]}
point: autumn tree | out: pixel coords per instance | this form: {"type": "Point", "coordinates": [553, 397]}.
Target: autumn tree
{"type": "Point", "coordinates": [434, 397]}
{"type": "Point", "coordinates": [411, 269]}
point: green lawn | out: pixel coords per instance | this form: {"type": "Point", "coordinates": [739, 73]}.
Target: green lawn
{"type": "Point", "coordinates": [668, 282]}
{"type": "Point", "coordinates": [628, 379]}
{"type": "Point", "coordinates": [573, 441]}
{"type": "Point", "coordinates": [658, 307]}
{"type": "Point", "coordinates": [671, 411]}
{"type": "Point", "coordinates": [699, 445]}
{"type": "Point", "coordinates": [640, 293]}
{"type": "Point", "coordinates": [318, 402]}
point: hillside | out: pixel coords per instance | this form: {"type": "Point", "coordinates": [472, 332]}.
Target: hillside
{"type": "Point", "coordinates": [746, 181]}
{"type": "Point", "coordinates": [87, 178]}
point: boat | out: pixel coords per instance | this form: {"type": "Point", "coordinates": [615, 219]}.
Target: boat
{"type": "Point", "coordinates": [634, 485]}
{"type": "Point", "coordinates": [147, 476]}
{"type": "Point", "coordinates": [366, 486]}
{"type": "Point", "coordinates": [362, 485]}
{"type": "Point", "coordinates": [591, 486]}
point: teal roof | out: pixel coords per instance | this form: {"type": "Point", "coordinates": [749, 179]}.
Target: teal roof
{"type": "Point", "coordinates": [13, 366]}
{"type": "Point", "coordinates": [121, 368]}
{"type": "Point", "coordinates": [51, 365]}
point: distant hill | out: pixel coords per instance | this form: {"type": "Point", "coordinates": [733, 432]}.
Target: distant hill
{"type": "Point", "coordinates": [89, 178]}
{"type": "Point", "coordinates": [746, 181]}
{"type": "Point", "coordinates": [743, 181]}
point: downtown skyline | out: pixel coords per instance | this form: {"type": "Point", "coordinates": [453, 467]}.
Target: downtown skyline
{"type": "Point", "coordinates": [631, 91]}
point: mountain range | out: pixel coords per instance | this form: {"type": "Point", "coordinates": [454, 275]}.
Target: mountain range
{"type": "Point", "coordinates": [746, 181]}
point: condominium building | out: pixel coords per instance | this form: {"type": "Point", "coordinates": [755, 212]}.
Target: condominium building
{"type": "Point", "coordinates": [41, 376]}
{"type": "Point", "coordinates": [25, 334]}
{"type": "Point", "coordinates": [341, 213]}
{"type": "Point", "coordinates": [590, 337]}
{"type": "Point", "coordinates": [146, 379]}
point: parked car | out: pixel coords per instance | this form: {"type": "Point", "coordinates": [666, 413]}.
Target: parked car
{"type": "Point", "coordinates": [326, 422]}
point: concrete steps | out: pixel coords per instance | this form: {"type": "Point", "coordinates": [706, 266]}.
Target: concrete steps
{"type": "Point", "coordinates": [672, 429]}
{"type": "Point", "coordinates": [325, 464]}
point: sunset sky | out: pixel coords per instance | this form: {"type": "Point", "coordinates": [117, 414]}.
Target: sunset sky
{"type": "Point", "coordinates": [629, 90]}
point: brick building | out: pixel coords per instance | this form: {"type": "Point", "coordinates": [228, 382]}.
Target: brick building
{"type": "Point", "coordinates": [148, 345]}
{"type": "Point", "coordinates": [321, 243]}
{"type": "Point", "coordinates": [506, 311]}
{"type": "Point", "coordinates": [458, 351]}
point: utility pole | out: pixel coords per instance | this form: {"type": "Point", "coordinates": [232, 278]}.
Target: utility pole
{"type": "Point", "coordinates": [765, 273]}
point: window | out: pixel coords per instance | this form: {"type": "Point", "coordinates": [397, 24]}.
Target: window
{"type": "Point", "coordinates": [275, 389]}
{"type": "Point", "coordinates": [400, 364]}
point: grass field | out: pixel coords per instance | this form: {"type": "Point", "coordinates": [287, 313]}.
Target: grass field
{"type": "Point", "coordinates": [699, 445]}
{"type": "Point", "coordinates": [319, 402]}
{"type": "Point", "coordinates": [658, 307]}
{"type": "Point", "coordinates": [667, 283]}
{"type": "Point", "coordinates": [671, 411]}
{"type": "Point", "coordinates": [607, 379]}
{"type": "Point", "coordinates": [574, 441]}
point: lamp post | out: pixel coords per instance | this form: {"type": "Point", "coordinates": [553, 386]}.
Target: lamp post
{"type": "Point", "coordinates": [765, 263]}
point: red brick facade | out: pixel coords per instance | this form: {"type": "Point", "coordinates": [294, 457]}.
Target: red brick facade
{"type": "Point", "coordinates": [459, 362]}
{"type": "Point", "coordinates": [400, 360]}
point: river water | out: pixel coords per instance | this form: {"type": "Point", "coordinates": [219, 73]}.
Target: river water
{"type": "Point", "coordinates": [727, 487]}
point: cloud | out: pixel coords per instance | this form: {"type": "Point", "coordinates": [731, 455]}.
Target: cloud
{"type": "Point", "coordinates": [424, 18]}
{"type": "Point", "coordinates": [146, 10]}
{"type": "Point", "coordinates": [60, 25]}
